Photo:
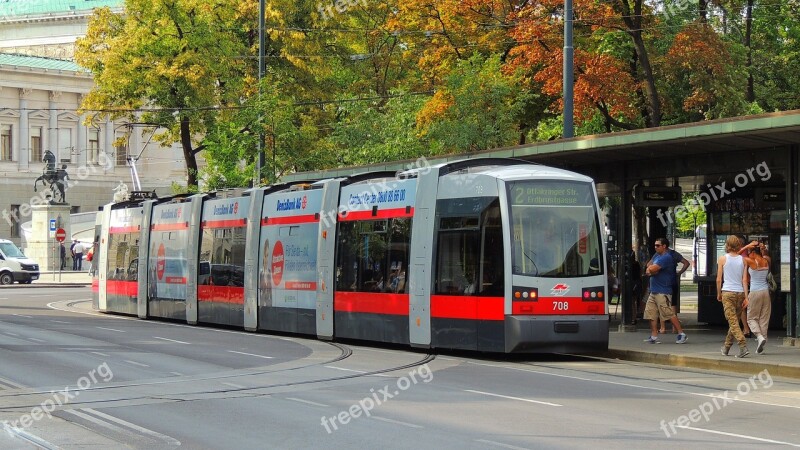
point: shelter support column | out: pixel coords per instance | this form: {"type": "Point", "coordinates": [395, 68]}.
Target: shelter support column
{"type": "Point", "coordinates": [625, 242]}
{"type": "Point", "coordinates": [794, 195]}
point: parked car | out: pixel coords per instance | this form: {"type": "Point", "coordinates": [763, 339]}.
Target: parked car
{"type": "Point", "coordinates": [15, 266]}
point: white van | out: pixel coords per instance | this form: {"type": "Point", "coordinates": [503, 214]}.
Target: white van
{"type": "Point", "coordinates": [15, 266]}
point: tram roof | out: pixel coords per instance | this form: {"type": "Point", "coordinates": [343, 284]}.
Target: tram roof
{"type": "Point", "coordinates": [714, 136]}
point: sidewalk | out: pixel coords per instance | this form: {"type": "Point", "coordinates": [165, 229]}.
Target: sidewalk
{"type": "Point", "coordinates": [702, 349]}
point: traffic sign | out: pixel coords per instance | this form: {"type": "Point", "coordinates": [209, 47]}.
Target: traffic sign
{"type": "Point", "coordinates": [52, 224]}
{"type": "Point", "coordinates": [61, 235]}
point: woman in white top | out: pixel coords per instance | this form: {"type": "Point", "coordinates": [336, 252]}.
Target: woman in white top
{"type": "Point", "coordinates": [731, 278]}
{"type": "Point", "coordinates": [759, 303]}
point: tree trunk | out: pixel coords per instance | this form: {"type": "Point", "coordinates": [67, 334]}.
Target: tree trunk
{"type": "Point", "coordinates": [702, 7]}
{"type": "Point", "coordinates": [188, 155]}
{"type": "Point", "coordinates": [633, 21]}
{"type": "Point", "coordinates": [650, 88]}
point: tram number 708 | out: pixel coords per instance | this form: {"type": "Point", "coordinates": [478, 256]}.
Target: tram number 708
{"type": "Point", "coordinates": [560, 306]}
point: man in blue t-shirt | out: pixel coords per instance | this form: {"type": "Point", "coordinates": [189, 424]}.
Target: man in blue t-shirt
{"type": "Point", "coordinates": [662, 276]}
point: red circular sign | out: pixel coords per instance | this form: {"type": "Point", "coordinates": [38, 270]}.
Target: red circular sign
{"type": "Point", "coordinates": [161, 261]}
{"type": "Point", "coordinates": [277, 264]}
{"type": "Point", "coordinates": [61, 235]}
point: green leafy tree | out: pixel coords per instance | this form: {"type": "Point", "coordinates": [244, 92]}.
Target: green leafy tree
{"type": "Point", "coordinates": [368, 132]}
{"type": "Point", "coordinates": [174, 63]}
{"type": "Point", "coordinates": [478, 108]}
{"type": "Point", "coordinates": [690, 215]}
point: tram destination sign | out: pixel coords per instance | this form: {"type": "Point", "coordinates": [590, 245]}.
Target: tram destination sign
{"type": "Point", "coordinates": [550, 193]}
{"type": "Point", "coordinates": [658, 196]}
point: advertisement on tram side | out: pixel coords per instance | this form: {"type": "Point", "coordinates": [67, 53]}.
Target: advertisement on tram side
{"type": "Point", "coordinates": [392, 199]}
{"type": "Point", "coordinates": [288, 249]}
{"type": "Point", "coordinates": [169, 242]}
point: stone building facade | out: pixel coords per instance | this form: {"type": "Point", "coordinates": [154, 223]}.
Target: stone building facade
{"type": "Point", "coordinates": [41, 89]}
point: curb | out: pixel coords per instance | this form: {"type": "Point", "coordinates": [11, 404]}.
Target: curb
{"type": "Point", "coordinates": [743, 366]}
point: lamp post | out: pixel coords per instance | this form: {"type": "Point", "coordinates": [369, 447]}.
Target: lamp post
{"type": "Point", "coordinates": [261, 69]}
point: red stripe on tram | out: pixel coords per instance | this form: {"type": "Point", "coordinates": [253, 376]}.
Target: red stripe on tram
{"type": "Point", "coordinates": [373, 303]}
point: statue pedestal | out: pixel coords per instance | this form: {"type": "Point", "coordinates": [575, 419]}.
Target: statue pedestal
{"type": "Point", "coordinates": [43, 247]}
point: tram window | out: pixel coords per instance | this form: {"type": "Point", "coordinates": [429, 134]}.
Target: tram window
{"type": "Point", "coordinates": [123, 248]}
{"type": "Point", "coordinates": [469, 259]}
{"type": "Point", "coordinates": [222, 253]}
{"type": "Point", "coordinates": [373, 255]}
{"type": "Point", "coordinates": [555, 231]}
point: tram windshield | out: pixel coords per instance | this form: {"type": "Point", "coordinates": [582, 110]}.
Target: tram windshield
{"type": "Point", "coordinates": [555, 229]}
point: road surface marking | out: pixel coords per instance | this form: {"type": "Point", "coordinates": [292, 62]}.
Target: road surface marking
{"type": "Point", "coordinates": [110, 329]}
{"type": "Point", "coordinates": [23, 315]}
{"type": "Point", "coordinates": [36, 340]}
{"type": "Point", "coordinates": [513, 398]}
{"type": "Point", "coordinates": [250, 354]}
{"type": "Point", "coordinates": [135, 363]}
{"type": "Point", "coordinates": [743, 436]}
{"type": "Point", "coordinates": [308, 402]}
{"type": "Point", "coordinates": [499, 444]}
{"type": "Point", "coordinates": [60, 321]}
{"type": "Point", "coordinates": [396, 422]}
{"type": "Point", "coordinates": [100, 354]}
{"type": "Point", "coordinates": [619, 383]}
{"type": "Point", "coordinates": [103, 420]}
{"type": "Point", "coordinates": [170, 340]}
{"type": "Point", "coordinates": [25, 436]}
{"type": "Point", "coordinates": [234, 385]}
{"type": "Point", "coordinates": [177, 374]}
{"type": "Point", "coordinates": [346, 370]}
{"type": "Point", "coordinates": [10, 333]}
{"type": "Point", "coordinates": [11, 383]}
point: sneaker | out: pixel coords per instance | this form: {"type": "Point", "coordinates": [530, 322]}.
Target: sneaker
{"type": "Point", "coordinates": [761, 342]}
{"type": "Point", "coordinates": [743, 352]}
{"type": "Point", "coordinates": [681, 338]}
{"type": "Point", "coordinates": [652, 340]}
{"type": "Point", "coordinates": [724, 350]}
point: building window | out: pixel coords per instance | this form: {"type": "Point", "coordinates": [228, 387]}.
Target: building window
{"type": "Point", "coordinates": [6, 153]}
{"type": "Point", "coordinates": [94, 146]}
{"type": "Point", "coordinates": [15, 230]}
{"type": "Point", "coordinates": [36, 144]}
{"type": "Point", "coordinates": [121, 150]}
{"type": "Point", "coordinates": [65, 145]}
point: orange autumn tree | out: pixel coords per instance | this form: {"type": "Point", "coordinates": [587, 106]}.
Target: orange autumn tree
{"type": "Point", "coordinates": [441, 32]}
{"type": "Point", "coordinates": [708, 69]}
{"type": "Point", "coordinates": [603, 82]}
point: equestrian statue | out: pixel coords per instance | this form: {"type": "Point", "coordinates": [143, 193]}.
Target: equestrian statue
{"type": "Point", "coordinates": [55, 178]}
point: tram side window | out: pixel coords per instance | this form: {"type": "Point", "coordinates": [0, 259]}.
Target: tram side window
{"type": "Point", "coordinates": [373, 256]}
{"type": "Point", "coordinates": [469, 257]}
{"type": "Point", "coordinates": [222, 257]}
{"type": "Point", "coordinates": [123, 257]}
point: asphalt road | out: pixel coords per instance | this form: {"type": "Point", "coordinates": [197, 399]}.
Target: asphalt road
{"type": "Point", "coordinates": [115, 382]}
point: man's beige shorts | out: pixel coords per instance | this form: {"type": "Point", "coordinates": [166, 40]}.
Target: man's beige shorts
{"type": "Point", "coordinates": [658, 305]}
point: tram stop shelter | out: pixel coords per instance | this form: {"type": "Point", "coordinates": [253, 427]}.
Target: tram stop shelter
{"type": "Point", "coordinates": [743, 171]}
